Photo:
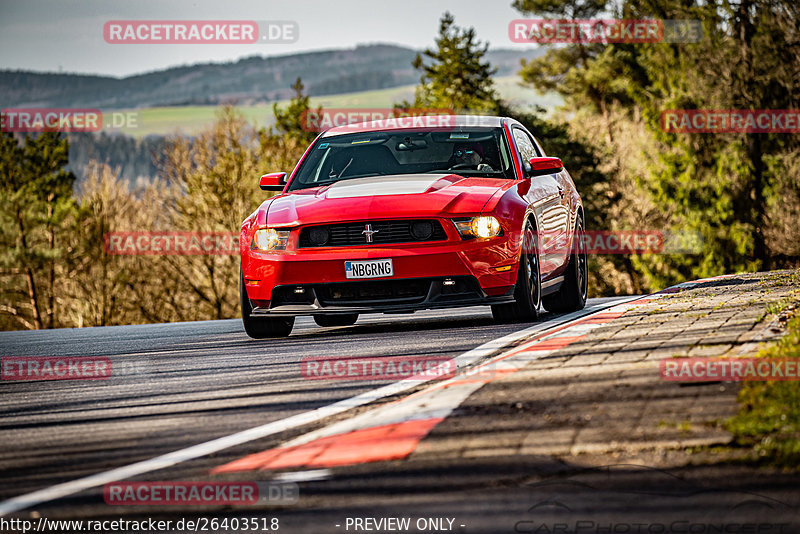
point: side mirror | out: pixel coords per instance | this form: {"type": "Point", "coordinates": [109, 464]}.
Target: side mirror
{"type": "Point", "coordinates": [275, 181]}
{"type": "Point", "coordinates": [542, 166]}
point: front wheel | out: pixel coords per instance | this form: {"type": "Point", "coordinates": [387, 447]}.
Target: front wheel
{"type": "Point", "coordinates": [336, 320]}
{"type": "Point", "coordinates": [261, 327]}
{"type": "Point", "coordinates": [571, 296]}
{"type": "Point", "coordinates": [528, 289]}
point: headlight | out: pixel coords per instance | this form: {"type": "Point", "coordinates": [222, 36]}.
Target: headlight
{"type": "Point", "coordinates": [270, 239]}
{"type": "Point", "coordinates": [483, 226]}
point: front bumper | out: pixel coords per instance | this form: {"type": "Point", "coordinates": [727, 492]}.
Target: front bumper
{"type": "Point", "coordinates": [490, 264]}
{"type": "Point", "coordinates": [386, 296]}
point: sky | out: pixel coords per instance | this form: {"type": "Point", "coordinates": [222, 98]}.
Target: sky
{"type": "Point", "coordinates": [67, 35]}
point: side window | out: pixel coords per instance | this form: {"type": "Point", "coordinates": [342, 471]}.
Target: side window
{"type": "Point", "coordinates": [524, 144]}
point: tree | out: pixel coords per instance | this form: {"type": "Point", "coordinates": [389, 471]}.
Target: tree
{"type": "Point", "coordinates": [292, 121]}
{"type": "Point", "coordinates": [215, 187]}
{"type": "Point", "coordinates": [584, 73]}
{"type": "Point", "coordinates": [97, 282]}
{"type": "Point", "coordinates": [35, 199]}
{"type": "Point", "coordinates": [721, 187]}
{"type": "Point", "coordinates": [456, 77]}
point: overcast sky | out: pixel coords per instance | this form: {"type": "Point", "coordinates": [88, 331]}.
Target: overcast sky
{"type": "Point", "coordinates": [67, 35]}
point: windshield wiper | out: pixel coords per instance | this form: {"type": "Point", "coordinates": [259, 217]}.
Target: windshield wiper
{"type": "Point", "coordinates": [462, 171]}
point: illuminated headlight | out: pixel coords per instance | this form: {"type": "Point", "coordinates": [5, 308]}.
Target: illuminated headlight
{"type": "Point", "coordinates": [478, 227]}
{"type": "Point", "coordinates": [270, 239]}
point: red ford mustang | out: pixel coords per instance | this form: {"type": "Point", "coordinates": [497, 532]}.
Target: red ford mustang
{"type": "Point", "coordinates": [406, 214]}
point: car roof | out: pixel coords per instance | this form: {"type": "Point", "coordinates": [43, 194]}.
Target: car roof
{"type": "Point", "coordinates": [421, 122]}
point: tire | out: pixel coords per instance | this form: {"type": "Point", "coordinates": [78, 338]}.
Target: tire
{"type": "Point", "coordinates": [261, 327]}
{"type": "Point", "coordinates": [571, 296]}
{"type": "Point", "coordinates": [528, 289]}
{"type": "Point", "coordinates": [336, 320]}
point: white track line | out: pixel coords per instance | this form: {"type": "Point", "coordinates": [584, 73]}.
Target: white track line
{"type": "Point", "coordinates": [439, 399]}
{"type": "Point", "coordinates": [204, 449]}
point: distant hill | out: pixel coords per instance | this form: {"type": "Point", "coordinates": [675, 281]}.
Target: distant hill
{"type": "Point", "coordinates": [132, 149]}
{"type": "Point", "coordinates": [184, 99]}
{"type": "Point", "coordinates": [248, 81]}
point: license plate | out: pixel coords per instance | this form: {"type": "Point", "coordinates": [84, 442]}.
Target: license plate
{"type": "Point", "coordinates": [368, 269]}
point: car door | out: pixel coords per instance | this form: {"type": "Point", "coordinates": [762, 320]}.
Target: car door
{"type": "Point", "coordinates": [546, 196]}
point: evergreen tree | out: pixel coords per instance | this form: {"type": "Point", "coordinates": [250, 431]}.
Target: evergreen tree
{"type": "Point", "coordinates": [719, 186]}
{"type": "Point", "coordinates": [456, 76]}
{"type": "Point", "coordinates": [293, 120]}
{"type": "Point", "coordinates": [35, 200]}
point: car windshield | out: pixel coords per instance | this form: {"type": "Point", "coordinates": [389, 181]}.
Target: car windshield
{"type": "Point", "coordinates": [462, 151]}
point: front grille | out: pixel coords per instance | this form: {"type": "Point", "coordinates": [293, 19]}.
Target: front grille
{"type": "Point", "coordinates": [380, 293]}
{"type": "Point", "coordinates": [384, 292]}
{"type": "Point", "coordinates": [385, 232]}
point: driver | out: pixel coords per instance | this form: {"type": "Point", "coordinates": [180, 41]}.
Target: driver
{"type": "Point", "coordinates": [470, 154]}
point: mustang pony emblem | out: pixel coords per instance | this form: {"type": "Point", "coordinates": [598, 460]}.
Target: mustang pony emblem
{"type": "Point", "coordinates": [369, 232]}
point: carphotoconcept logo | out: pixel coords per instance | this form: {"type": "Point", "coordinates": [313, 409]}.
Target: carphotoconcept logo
{"type": "Point", "coordinates": [171, 243]}
{"type": "Point", "coordinates": [730, 121]}
{"type": "Point", "coordinates": [637, 499]}
{"type": "Point", "coordinates": [200, 32]}
{"type": "Point", "coordinates": [318, 120]}
{"type": "Point", "coordinates": [561, 31]}
{"type": "Point", "coordinates": [28, 368]}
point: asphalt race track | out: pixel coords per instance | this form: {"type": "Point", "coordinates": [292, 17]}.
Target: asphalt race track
{"type": "Point", "coordinates": [178, 385]}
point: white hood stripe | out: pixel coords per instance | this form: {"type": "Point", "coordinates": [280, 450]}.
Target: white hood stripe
{"type": "Point", "coordinates": [407, 184]}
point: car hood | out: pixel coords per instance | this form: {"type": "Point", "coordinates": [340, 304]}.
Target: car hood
{"type": "Point", "coordinates": [406, 195]}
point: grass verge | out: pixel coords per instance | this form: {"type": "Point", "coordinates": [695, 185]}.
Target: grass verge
{"type": "Point", "coordinates": [768, 421]}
